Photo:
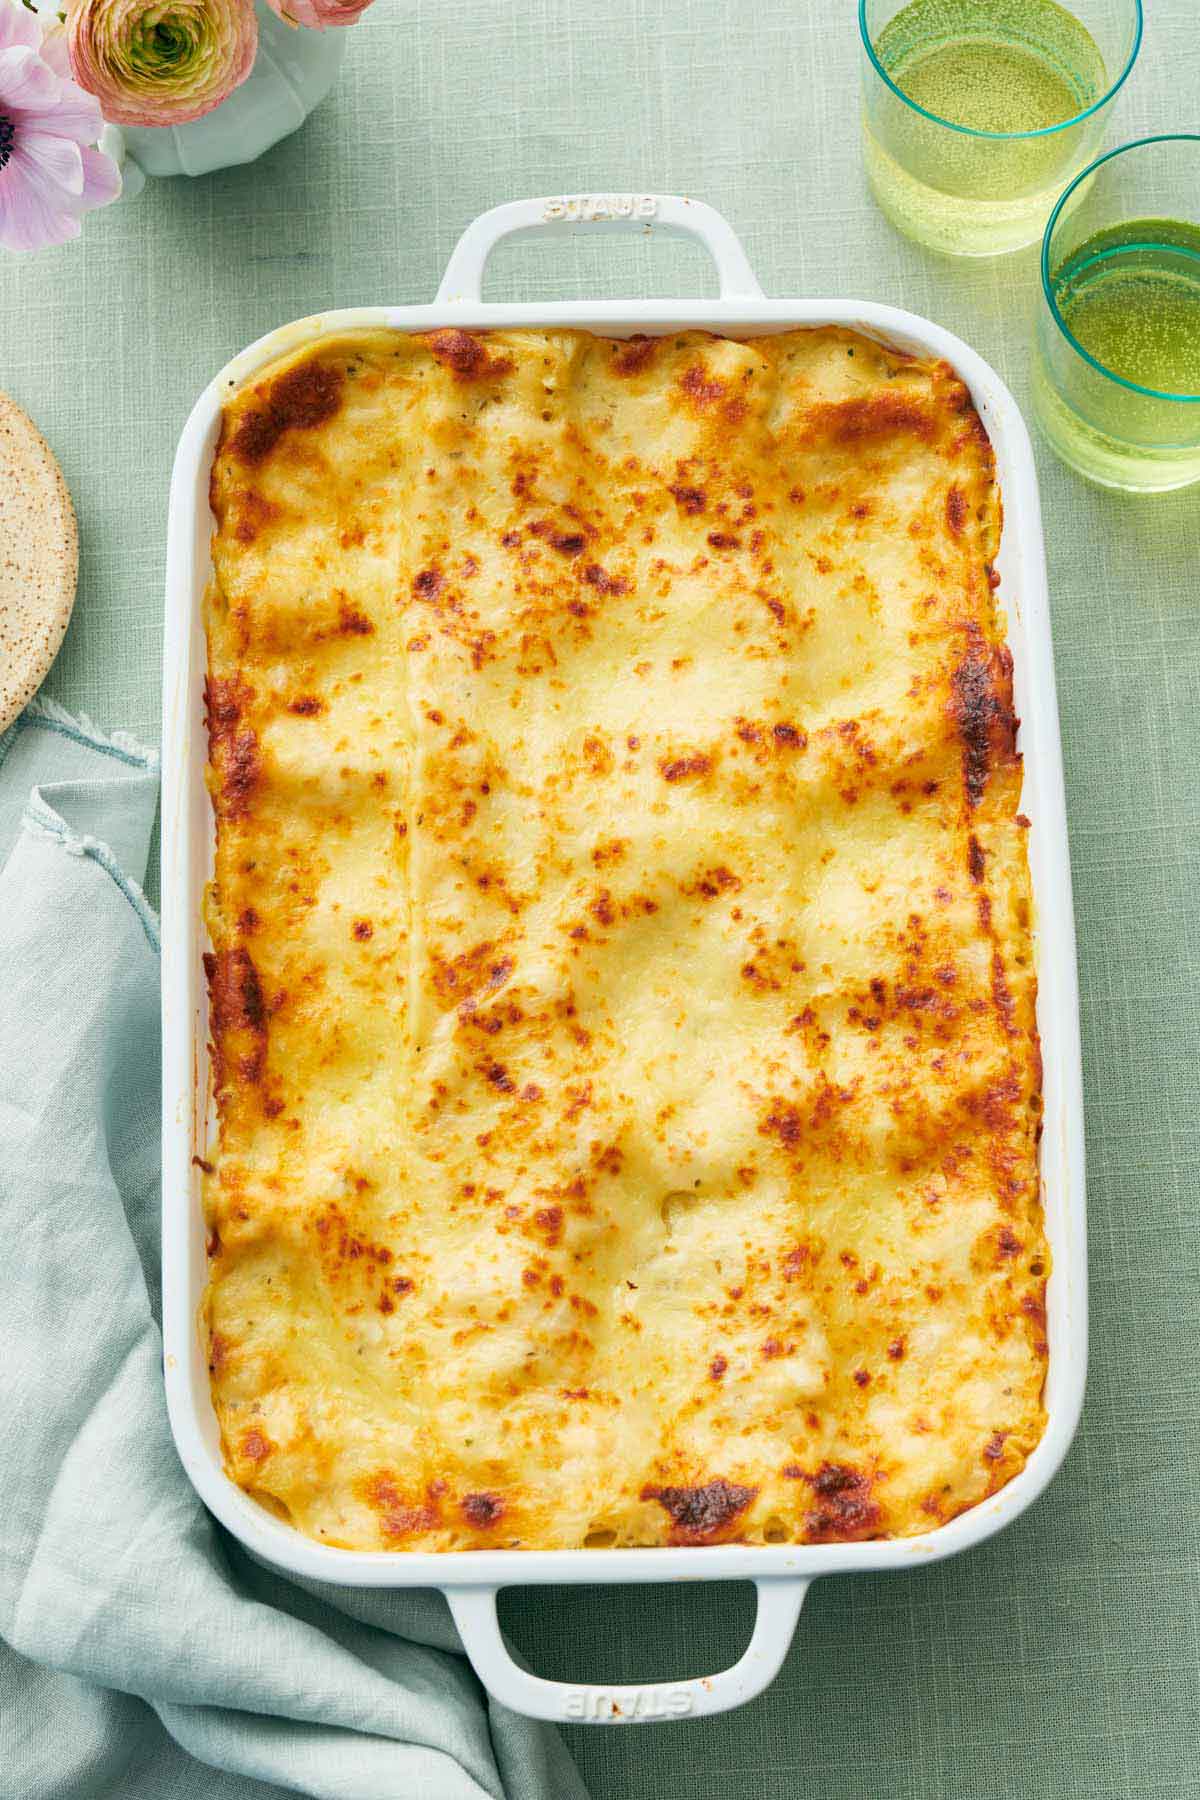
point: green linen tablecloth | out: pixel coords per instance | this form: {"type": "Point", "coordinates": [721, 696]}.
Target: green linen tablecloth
{"type": "Point", "coordinates": [1063, 1658]}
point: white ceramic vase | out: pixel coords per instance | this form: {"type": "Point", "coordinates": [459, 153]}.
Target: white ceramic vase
{"type": "Point", "coordinates": [294, 69]}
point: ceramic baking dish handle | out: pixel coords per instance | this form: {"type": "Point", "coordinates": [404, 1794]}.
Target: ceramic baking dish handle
{"type": "Point", "coordinates": [648, 213]}
{"type": "Point", "coordinates": [474, 1609]}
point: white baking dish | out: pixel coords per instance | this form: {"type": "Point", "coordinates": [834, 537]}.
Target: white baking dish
{"type": "Point", "coordinates": [471, 1579]}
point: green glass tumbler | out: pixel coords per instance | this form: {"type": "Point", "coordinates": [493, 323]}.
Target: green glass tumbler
{"type": "Point", "coordinates": [1116, 374]}
{"type": "Point", "coordinates": [977, 113]}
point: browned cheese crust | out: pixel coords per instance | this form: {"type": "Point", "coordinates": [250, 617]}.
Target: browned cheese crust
{"type": "Point", "coordinates": [622, 995]}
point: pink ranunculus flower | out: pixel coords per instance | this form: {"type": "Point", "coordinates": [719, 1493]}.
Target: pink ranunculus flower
{"type": "Point", "coordinates": [50, 172]}
{"type": "Point", "coordinates": [161, 62]}
{"type": "Point", "coordinates": [317, 14]}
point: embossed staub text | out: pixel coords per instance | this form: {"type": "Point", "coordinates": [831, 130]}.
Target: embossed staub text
{"type": "Point", "coordinates": [587, 207]}
{"type": "Point", "coordinates": [629, 1704]}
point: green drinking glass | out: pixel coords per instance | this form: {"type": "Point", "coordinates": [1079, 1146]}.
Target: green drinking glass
{"type": "Point", "coordinates": [977, 113]}
{"type": "Point", "coordinates": [1116, 373]}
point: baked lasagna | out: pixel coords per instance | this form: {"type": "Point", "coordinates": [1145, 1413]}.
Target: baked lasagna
{"type": "Point", "coordinates": [621, 985]}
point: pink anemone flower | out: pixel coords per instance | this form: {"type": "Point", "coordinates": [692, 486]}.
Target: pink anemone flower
{"type": "Point", "coordinates": [49, 173]}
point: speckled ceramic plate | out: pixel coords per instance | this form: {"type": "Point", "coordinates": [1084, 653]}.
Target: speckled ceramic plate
{"type": "Point", "coordinates": [39, 559]}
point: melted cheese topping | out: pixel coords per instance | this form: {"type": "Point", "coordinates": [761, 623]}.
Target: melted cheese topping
{"type": "Point", "coordinates": [622, 994]}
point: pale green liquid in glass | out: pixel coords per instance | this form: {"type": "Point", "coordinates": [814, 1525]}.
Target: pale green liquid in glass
{"type": "Point", "coordinates": [1130, 294]}
{"type": "Point", "coordinates": [1013, 66]}
{"type": "Point", "coordinates": [1020, 67]}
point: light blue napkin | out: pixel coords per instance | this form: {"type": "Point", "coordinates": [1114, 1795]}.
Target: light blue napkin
{"type": "Point", "coordinates": [142, 1653]}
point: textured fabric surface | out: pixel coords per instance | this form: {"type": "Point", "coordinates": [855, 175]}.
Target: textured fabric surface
{"type": "Point", "coordinates": [139, 1651]}
{"type": "Point", "coordinates": [1062, 1659]}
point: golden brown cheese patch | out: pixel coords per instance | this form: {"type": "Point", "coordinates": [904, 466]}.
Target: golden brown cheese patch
{"type": "Point", "coordinates": [622, 992]}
